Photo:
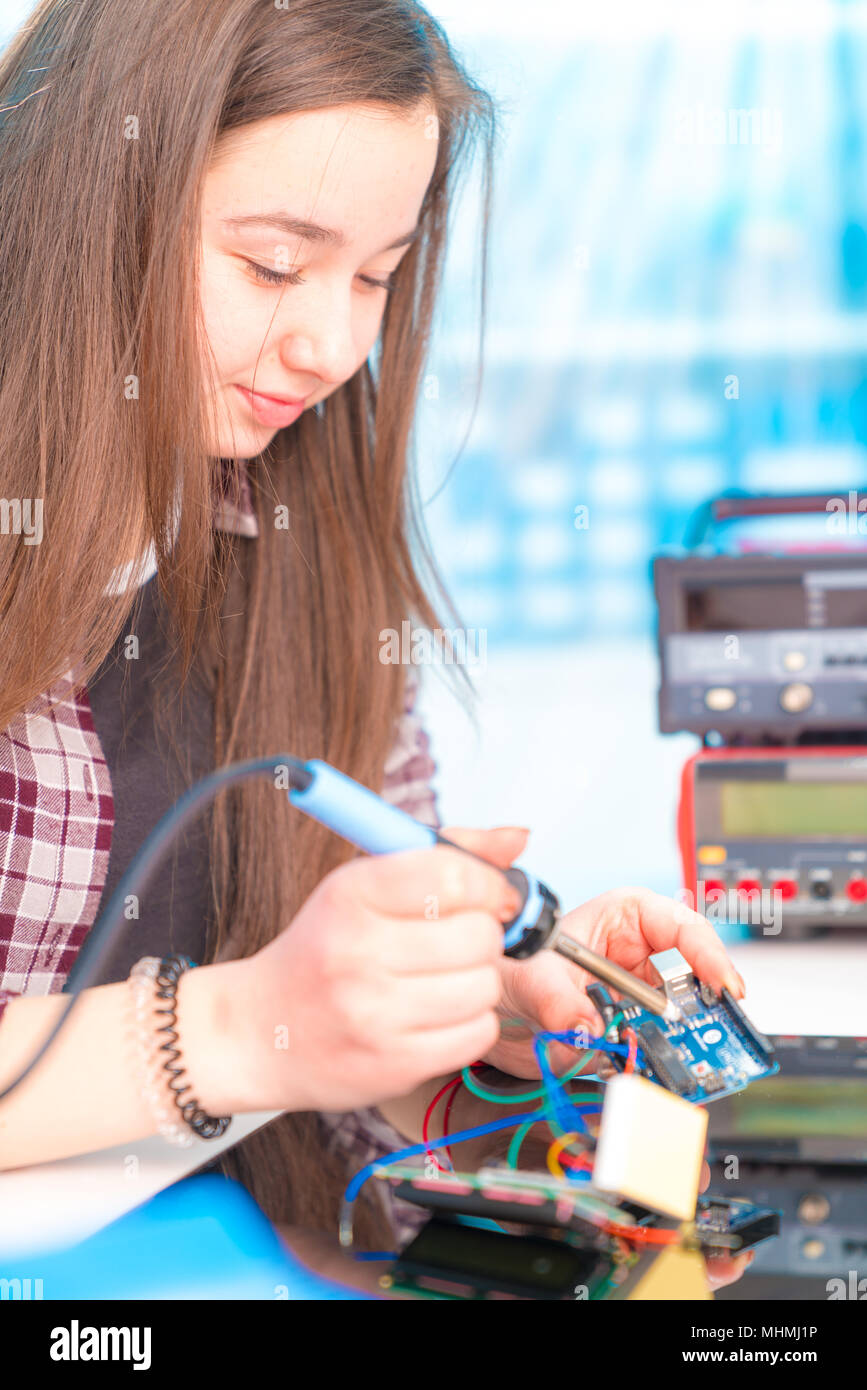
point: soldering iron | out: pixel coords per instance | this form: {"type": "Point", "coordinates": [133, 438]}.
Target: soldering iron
{"type": "Point", "coordinates": [371, 824]}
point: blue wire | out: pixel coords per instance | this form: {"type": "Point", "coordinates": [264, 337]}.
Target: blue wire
{"type": "Point", "coordinates": [575, 1039]}
{"type": "Point", "coordinates": [567, 1115]}
{"type": "Point", "coordinates": [508, 1122]}
{"type": "Point", "coordinates": [483, 1223]}
{"type": "Point", "coordinates": [577, 1175]}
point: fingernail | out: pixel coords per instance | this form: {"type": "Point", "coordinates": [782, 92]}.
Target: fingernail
{"type": "Point", "coordinates": [510, 906]}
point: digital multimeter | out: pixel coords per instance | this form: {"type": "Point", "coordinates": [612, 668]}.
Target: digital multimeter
{"type": "Point", "coordinates": [777, 833]}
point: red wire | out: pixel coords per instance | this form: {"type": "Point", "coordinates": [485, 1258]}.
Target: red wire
{"type": "Point", "coordinates": [448, 1110]}
{"type": "Point", "coordinates": [428, 1115]}
{"type": "Point", "coordinates": [575, 1160]}
{"type": "Point", "coordinates": [454, 1086]}
{"type": "Point", "coordinates": [649, 1235]}
{"type": "Point", "coordinates": [644, 1234]}
{"type": "Point", "coordinates": [633, 1050]}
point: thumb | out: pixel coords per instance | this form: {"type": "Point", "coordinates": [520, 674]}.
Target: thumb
{"type": "Point", "coordinates": [500, 846]}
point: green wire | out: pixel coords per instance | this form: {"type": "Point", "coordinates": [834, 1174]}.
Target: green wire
{"type": "Point", "coordinates": [521, 1133]}
{"type": "Point", "coordinates": [498, 1098]}
{"type": "Point", "coordinates": [517, 1140]}
{"type": "Point", "coordinates": [523, 1130]}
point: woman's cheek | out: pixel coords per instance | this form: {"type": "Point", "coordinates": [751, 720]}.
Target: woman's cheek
{"type": "Point", "coordinates": [368, 328]}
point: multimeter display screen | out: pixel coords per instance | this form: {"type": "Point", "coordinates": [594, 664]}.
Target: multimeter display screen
{"type": "Point", "coordinates": [774, 605]}
{"type": "Point", "coordinates": [798, 1107]}
{"type": "Point", "coordinates": [822, 809]}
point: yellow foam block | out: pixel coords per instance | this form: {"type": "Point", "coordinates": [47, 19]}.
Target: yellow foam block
{"type": "Point", "coordinates": [675, 1274]}
{"type": "Point", "coordinates": [651, 1146]}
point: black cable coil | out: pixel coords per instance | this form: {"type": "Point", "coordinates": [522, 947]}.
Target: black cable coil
{"type": "Point", "coordinates": [205, 1125]}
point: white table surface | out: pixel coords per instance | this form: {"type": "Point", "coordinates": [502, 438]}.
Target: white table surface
{"type": "Point", "coordinates": [814, 987]}
{"type": "Point", "coordinates": [50, 1205]}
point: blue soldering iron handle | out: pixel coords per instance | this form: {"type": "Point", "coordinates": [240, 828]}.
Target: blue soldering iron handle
{"type": "Point", "coordinates": [358, 814]}
{"type": "Point", "coordinates": [366, 820]}
{"type": "Point", "coordinates": [536, 922]}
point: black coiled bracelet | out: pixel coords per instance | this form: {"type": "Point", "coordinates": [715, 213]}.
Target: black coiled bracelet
{"type": "Point", "coordinates": [205, 1125]}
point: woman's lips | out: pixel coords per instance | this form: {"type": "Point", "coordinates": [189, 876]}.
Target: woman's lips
{"type": "Point", "coordinates": [268, 411]}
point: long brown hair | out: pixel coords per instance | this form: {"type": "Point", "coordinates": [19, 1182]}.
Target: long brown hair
{"type": "Point", "coordinates": [109, 114]}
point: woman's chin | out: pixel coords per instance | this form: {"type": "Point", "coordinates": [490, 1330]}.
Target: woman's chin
{"type": "Point", "coordinates": [242, 443]}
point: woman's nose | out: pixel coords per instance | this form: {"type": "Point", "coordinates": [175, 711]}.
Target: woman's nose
{"type": "Point", "coordinates": [319, 340]}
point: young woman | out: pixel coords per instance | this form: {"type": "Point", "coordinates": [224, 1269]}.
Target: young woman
{"type": "Point", "coordinates": [221, 233]}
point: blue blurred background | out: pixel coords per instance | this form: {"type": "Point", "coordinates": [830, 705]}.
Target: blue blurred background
{"type": "Point", "coordinates": [677, 295]}
{"type": "Point", "coordinates": [679, 273]}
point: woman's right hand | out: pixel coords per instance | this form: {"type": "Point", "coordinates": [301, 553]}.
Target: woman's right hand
{"type": "Point", "coordinates": [388, 976]}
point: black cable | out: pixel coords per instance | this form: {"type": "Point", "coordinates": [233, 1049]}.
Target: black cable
{"type": "Point", "coordinates": [139, 874]}
{"type": "Point", "coordinates": [199, 1121]}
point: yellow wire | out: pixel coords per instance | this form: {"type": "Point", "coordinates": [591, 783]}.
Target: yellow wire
{"type": "Point", "coordinates": [553, 1155]}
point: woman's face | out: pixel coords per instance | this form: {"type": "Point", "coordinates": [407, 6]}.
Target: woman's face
{"type": "Point", "coordinates": [304, 219]}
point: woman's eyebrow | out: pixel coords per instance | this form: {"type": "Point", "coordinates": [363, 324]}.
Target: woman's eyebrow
{"type": "Point", "coordinates": [310, 231]}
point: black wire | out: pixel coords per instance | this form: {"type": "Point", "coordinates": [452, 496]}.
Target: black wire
{"type": "Point", "coordinates": [139, 874]}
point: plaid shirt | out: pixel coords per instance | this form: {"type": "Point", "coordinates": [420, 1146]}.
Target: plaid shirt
{"type": "Point", "coordinates": [57, 816]}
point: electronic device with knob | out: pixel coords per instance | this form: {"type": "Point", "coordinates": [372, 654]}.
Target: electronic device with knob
{"type": "Point", "coordinates": [758, 644]}
{"type": "Point", "coordinates": [797, 1142]}
{"type": "Point", "coordinates": [763, 655]}
{"type": "Point", "coordinates": [776, 837]}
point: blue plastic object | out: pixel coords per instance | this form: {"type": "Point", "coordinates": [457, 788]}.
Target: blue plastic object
{"type": "Point", "coordinates": [529, 914]}
{"type": "Point", "coordinates": [359, 815]}
{"type": "Point", "coordinates": [363, 818]}
{"type": "Point", "coordinates": [204, 1237]}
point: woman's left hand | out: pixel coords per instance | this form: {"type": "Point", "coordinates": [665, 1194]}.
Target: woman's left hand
{"type": "Point", "coordinates": [547, 992]}
{"type": "Point", "coordinates": [723, 1269]}
{"type": "Point", "coordinates": [628, 925]}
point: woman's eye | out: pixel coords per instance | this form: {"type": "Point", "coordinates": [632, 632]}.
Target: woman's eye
{"type": "Point", "coordinates": [266, 276]}
{"type": "Point", "coordinates": [388, 283]}
{"type": "Point", "coordinates": [274, 277]}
